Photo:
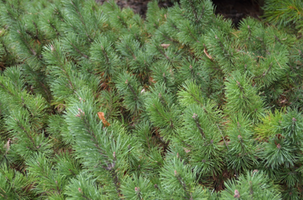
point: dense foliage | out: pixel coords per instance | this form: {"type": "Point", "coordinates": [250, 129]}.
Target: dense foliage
{"type": "Point", "coordinates": [97, 103]}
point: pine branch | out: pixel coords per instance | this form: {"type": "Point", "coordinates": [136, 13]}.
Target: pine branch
{"type": "Point", "coordinates": [28, 135]}
{"type": "Point", "coordinates": [82, 21]}
{"type": "Point", "coordinates": [196, 119]}
{"type": "Point", "coordinates": [132, 90]}
{"type": "Point", "coordinates": [78, 51]}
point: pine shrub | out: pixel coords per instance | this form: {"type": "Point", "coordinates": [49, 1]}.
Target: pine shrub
{"type": "Point", "coordinates": [97, 103]}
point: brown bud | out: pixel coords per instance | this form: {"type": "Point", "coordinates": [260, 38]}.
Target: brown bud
{"type": "Point", "coordinates": [279, 146]}
{"type": "Point", "coordinates": [186, 150]}
{"type": "Point", "coordinates": [7, 145]}
{"type": "Point", "coordinates": [165, 46]}
{"type": "Point", "coordinates": [237, 194]}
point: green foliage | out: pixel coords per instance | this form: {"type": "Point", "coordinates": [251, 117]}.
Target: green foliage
{"type": "Point", "coordinates": [242, 97]}
{"type": "Point", "coordinates": [98, 103]}
{"type": "Point", "coordinates": [14, 184]}
{"type": "Point", "coordinates": [242, 152]}
{"type": "Point", "coordinates": [284, 13]}
{"type": "Point", "coordinates": [253, 184]}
